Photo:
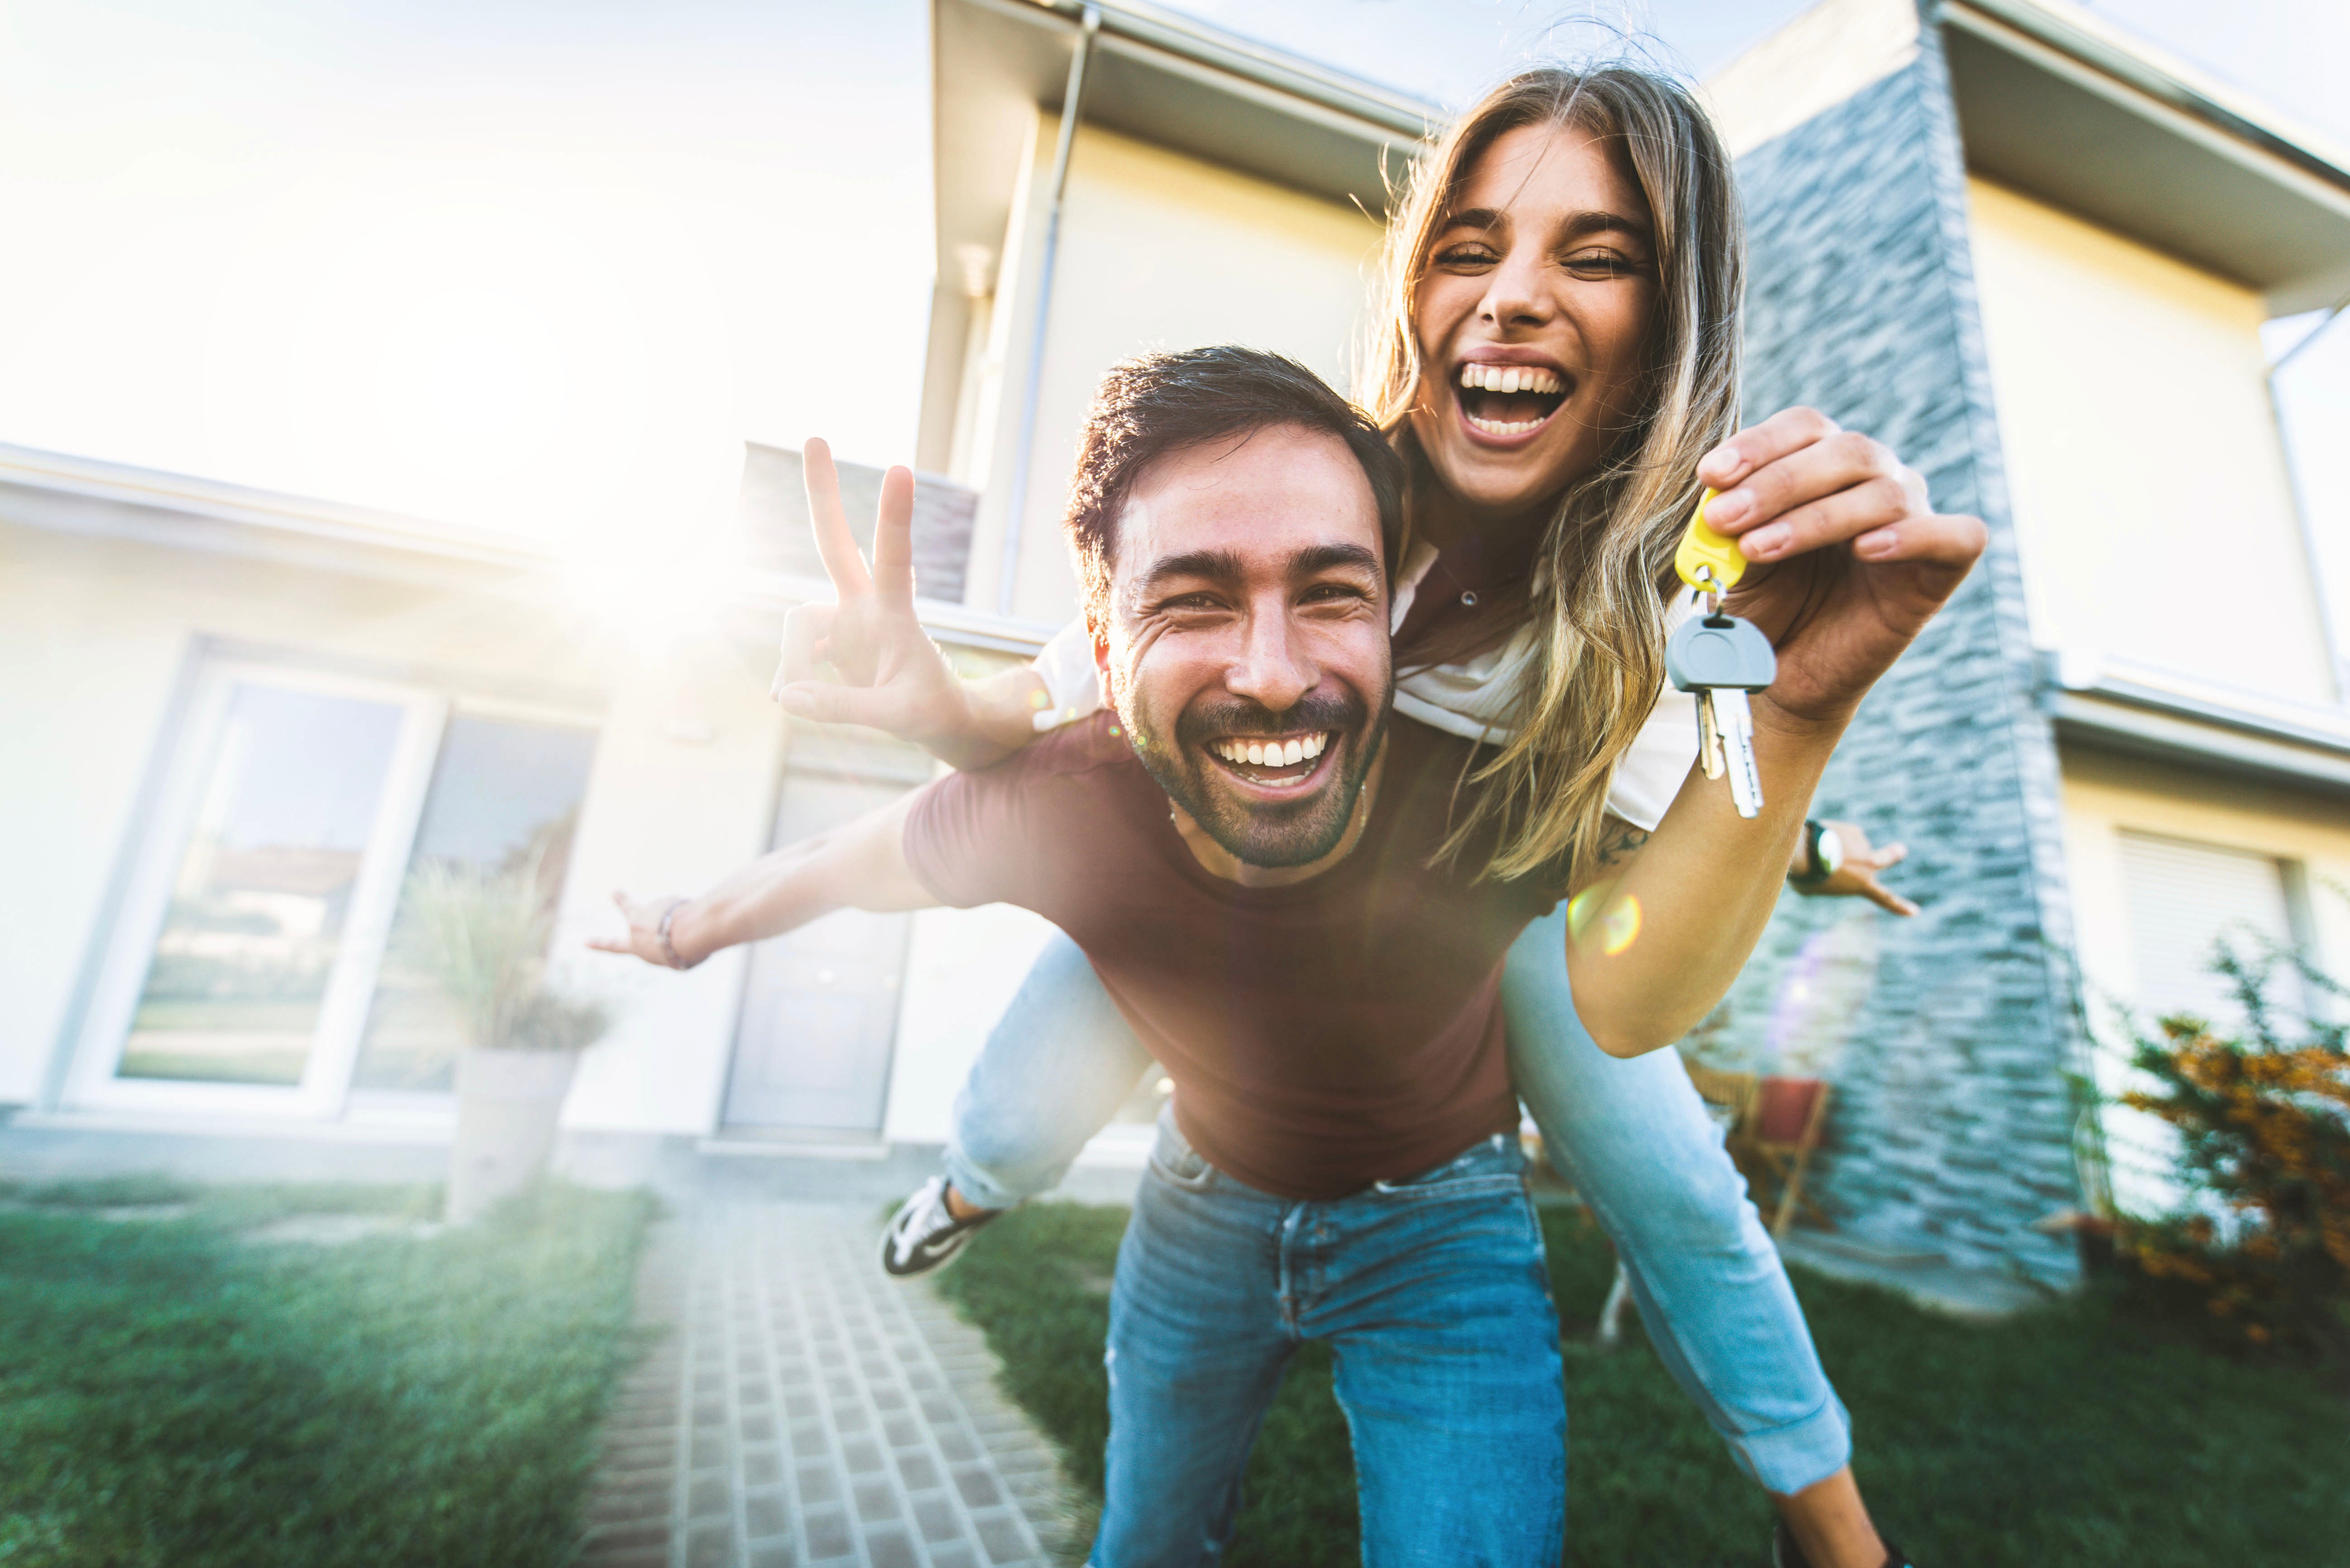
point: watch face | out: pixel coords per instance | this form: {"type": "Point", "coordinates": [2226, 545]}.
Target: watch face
{"type": "Point", "coordinates": [1829, 853]}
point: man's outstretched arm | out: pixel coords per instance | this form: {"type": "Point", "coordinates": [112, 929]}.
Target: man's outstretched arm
{"type": "Point", "coordinates": [860, 865]}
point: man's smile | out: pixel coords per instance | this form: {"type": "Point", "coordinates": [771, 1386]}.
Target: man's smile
{"type": "Point", "coordinates": [1286, 763]}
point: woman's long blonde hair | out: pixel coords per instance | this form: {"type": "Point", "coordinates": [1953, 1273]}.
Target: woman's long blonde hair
{"type": "Point", "coordinates": [1597, 592]}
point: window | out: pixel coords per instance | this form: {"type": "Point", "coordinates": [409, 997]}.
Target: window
{"type": "Point", "coordinates": [263, 894]}
{"type": "Point", "coordinates": [505, 798]}
{"type": "Point", "coordinates": [2185, 900]}
{"type": "Point", "coordinates": [256, 961]}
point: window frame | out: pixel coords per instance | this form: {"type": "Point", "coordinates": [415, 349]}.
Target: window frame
{"type": "Point", "coordinates": [324, 1091]}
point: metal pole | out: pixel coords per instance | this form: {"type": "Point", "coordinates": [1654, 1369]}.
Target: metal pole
{"type": "Point", "coordinates": [1016, 496]}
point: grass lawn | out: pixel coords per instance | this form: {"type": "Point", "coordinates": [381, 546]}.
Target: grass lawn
{"type": "Point", "coordinates": [2077, 1434]}
{"type": "Point", "coordinates": [174, 1393]}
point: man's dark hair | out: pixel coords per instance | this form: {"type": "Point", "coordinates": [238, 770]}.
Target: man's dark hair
{"type": "Point", "coordinates": [1159, 404]}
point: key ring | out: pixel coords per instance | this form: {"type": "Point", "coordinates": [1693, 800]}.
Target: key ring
{"type": "Point", "coordinates": [1706, 585]}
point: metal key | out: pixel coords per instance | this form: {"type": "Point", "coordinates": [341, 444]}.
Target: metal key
{"type": "Point", "coordinates": [1721, 658]}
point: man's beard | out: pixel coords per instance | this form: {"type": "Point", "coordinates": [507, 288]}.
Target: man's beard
{"type": "Point", "coordinates": [1282, 834]}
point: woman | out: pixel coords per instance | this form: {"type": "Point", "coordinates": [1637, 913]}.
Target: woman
{"type": "Point", "coordinates": [1558, 362]}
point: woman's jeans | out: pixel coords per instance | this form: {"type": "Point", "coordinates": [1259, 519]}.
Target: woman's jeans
{"type": "Point", "coordinates": [1632, 1137]}
{"type": "Point", "coordinates": [1431, 1295]}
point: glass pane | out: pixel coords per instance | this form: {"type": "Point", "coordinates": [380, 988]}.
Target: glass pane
{"type": "Point", "coordinates": [257, 908]}
{"type": "Point", "coordinates": [505, 795]}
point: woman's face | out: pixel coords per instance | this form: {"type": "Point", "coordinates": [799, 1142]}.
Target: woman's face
{"type": "Point", "coordinates": [1533, 311]}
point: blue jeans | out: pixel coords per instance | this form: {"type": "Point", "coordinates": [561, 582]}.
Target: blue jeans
{"type": "Point", "coordinates": [1433, 1299]}
{"type": "Point", "coordinates": [1631, 1136]}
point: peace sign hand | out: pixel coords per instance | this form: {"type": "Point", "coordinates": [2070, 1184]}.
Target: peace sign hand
{"type": "Point", "coordinates": [892, 677]}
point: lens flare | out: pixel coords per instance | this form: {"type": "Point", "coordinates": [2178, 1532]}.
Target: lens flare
{"type": "Point", "coordinates": [1619, 923]}
{"type": "Point", "coordinates": [1619, 928]}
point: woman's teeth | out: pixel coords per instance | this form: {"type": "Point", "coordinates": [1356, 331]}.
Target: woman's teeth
{"type": "Point", "coordinates": [1490, 382]}
{"type": "Point", "coordinates": [1511, 379]}
{"type": "Point", "coordinates": [1272, 754]}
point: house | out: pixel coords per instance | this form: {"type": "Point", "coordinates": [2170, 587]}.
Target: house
{"type": "Point", "coordinates": [2029, 253]}
{"type": "Point", "coordinates": [2037, 258]}
{"type": "Point", "coordinates": [239, 719]}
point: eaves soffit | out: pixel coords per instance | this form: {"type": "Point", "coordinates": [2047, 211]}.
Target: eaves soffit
{"type": "Point", "coordinates": [2055, 104]}
{"type": "Point", "coordinates": [89, 497]}
{"type": "Point", "coordinates": [2114, 705]}
{"type": "Point", "coordinates": [1160, 78]}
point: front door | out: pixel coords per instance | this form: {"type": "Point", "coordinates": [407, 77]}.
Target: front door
{"type": "Point", "coordinates": [820, 1004]}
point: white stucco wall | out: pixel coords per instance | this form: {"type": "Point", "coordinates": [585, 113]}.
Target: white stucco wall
{"type": "Point", "coordinates": [2150, 486]}
{"type": "Point", "coordinates": [962, 967]}
{"type": "Point", "coordinates": [684, 792]}
{"type": "Point", "coordinates": [1157, 251]}
{"type": "Point", "coordinates": [94, 636]}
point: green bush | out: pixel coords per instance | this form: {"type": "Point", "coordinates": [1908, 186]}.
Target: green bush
{"type": "Point", "coordinates": [2263, 1122]}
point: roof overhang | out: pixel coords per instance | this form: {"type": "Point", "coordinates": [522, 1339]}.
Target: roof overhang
{"type": "Point", "coordinates": [2110, 705]}
{"type": "Point", "coordinates": [77, 495]}
{"type": "Point", "coordinates": [2058, 105]}
{"type": "Point", "coordinates": [1156, 77]}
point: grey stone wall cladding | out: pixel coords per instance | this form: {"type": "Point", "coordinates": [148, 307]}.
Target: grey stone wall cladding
{"type": "Point", "coordinates": [1954, 1115]}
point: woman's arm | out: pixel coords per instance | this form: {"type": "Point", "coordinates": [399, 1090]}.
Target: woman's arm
{"type": "Point", "coordinates": [860, 866]}
{"type": "Point", "coordinates": [1656, 935]}
{"type": "Point", "coordinates": [892, 677]}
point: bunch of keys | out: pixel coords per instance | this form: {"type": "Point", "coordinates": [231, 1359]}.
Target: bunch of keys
{"type": "Point", "coordinates": [1721, 658]}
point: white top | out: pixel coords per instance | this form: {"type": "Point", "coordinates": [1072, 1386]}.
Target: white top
{"type": "Point", "coordinates": [1471, 700]}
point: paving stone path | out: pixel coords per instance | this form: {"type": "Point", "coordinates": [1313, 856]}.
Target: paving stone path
{"type": "Point", "coordinates": [804, 1410]}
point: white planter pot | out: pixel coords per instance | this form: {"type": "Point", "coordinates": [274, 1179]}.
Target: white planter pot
{"type": "Point", "coordinates": [507, 1106]}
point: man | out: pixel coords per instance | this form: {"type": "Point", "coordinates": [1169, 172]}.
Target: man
{"type": "Point", "coordinates": [1247, 851]}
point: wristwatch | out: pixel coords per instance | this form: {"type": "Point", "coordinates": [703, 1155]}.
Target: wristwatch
{"type": "Point", "coordinates": [1823, 855]}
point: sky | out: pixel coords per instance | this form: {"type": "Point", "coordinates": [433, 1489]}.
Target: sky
{"type": "Point", "coordinates": [543, 267]}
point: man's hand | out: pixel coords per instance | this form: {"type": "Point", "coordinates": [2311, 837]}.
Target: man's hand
{"type": "Point", "coordinates": [1848, 559]}
{"type": "Point", "coordinates": [643, 938]}
{"type": "Point", "coordinates": [1856, 877]}
{"type": "Point", "coordinates": [892, 676]}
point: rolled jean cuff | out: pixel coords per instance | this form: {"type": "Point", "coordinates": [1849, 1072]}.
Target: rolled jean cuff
{"type": "Point", "coordinates": [975, 1185]}
{"type": "Point", "coordinates": [1786, 1460]}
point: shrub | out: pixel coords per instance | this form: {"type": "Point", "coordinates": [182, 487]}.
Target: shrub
{"type": "Point", "coordinates": [2264, 1131]}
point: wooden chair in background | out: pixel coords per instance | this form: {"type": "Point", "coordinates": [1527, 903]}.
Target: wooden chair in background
{"type": "Point", "coordinates": [1771, 1126]}
{"type": "Point", "coordinates": [1789, 1116]}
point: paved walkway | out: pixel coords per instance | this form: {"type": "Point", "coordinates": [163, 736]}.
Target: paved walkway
{"type": "Point", "coordinates": [802, 1410]}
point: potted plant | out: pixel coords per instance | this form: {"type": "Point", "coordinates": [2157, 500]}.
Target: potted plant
{"type": "Point", "coordinates": [482, 937]}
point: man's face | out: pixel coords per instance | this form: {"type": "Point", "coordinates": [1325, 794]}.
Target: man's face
{"type": "Point", "coordinates": [1247, 643]}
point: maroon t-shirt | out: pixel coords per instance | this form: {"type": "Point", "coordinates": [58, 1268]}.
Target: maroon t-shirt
{"type": "Point", "coordinates": [1321, 1036]}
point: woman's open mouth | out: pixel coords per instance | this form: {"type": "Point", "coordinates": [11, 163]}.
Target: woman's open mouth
{"type": "Point", "coordinates": [1506, 400]}
{"type": "Point", "coordinates": [1272, 762]}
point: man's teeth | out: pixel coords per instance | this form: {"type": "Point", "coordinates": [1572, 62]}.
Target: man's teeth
{"type": "Point", "coordinates": [1503, 427]}
{"type": "Point", "coordinates": [1274, 753]}
{"type": "Point", "coordinates": [1511, 379]}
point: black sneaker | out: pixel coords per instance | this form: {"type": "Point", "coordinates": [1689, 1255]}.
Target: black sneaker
{"type": "Point", "coordinates": [1786, 1553]}
{"type": "Point", "coordinates": [924, 1235]}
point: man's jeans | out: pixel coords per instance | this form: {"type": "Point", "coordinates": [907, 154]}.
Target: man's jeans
{"type": "Point", "coordinates": [1433, 1297]}
{"type": "Point", "coordinates": [1632, 1137]}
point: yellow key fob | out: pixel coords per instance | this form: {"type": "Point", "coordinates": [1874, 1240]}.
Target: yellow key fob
{"type": "Point", "coordinates": [1702, 547]}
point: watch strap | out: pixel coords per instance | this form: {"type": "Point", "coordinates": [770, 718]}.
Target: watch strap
{"type": "Point", "coordinates": [1815, 871]}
